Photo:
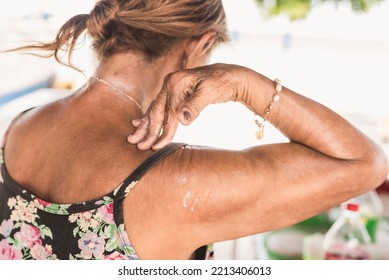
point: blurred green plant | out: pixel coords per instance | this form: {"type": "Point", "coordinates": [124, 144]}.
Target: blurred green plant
{"type": "Point", "coordinates": [299, 9]}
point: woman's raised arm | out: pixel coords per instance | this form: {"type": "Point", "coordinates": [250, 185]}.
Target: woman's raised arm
{"type": "Point", "coordinates": [229, 194]}
{"type": "Point", "coordinates": [185, 93]}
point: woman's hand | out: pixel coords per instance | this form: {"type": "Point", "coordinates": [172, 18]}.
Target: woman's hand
{"type": "Point", "coordinates": [183, 96]}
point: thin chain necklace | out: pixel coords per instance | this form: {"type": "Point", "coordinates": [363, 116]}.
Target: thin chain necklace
{"type": "Point", "coordinates": [118, 90]}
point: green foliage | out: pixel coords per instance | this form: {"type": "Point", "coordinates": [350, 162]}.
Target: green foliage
{"type": "Point", "coordinates": [298, 9]}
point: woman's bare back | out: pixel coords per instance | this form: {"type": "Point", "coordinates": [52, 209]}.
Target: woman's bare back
{"type": "Point", "coordinates": [70, 150]}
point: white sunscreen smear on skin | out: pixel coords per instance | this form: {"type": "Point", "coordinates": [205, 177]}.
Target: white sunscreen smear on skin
{"type": "Point", "coordinates": [194, 204]}
{"type": "Point", "coordinates": [185, 201]}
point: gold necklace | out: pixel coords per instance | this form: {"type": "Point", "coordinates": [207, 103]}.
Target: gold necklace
{"type": "Point", "coordinates": [118, 90]}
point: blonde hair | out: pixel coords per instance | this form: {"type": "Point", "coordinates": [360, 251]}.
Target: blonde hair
{"type": "Point", "coordinates": [150, 27]}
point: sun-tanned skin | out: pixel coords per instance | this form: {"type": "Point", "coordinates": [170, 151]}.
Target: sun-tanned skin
{"type": "Point", "coordinates": [76, 149]}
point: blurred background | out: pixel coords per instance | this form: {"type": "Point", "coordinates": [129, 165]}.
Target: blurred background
{"type": "Point", "coordinates": [333, 51]}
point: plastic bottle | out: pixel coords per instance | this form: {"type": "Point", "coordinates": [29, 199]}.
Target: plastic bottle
{"type": "Point", "coordinates": [347, 239]}
{"type": "Point", "coordinates": [371, 210]}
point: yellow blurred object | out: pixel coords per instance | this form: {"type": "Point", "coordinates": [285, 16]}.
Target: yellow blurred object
{"type": "Point", "coordinates": [63, 85]}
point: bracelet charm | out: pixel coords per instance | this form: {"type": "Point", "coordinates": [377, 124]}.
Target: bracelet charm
{"type": "Point", "coordinates": [276, 97]}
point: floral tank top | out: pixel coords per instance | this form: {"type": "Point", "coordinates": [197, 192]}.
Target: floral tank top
{"type": "Point", "coordinates": [32, 228]}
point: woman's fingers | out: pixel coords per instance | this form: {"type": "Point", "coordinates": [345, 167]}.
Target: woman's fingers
{"type": "Point", "coordinates": [136, 122]}
{"type": "Point", "coordinates": [140, 131]}
{"type": "Point", "coordinates": [168, 132]}
{"type": "Point", "coordinates": [150, 126]}
{"type": "Point", "coordinates": [154, 127]}
{"type": "Point", "coordinates": [191, 108]}
{"type": "Point", "coordinates": [183, 96]}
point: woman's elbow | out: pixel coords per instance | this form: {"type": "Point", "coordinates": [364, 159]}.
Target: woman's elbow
{"type": "Point", "coordinates": [374, 168]}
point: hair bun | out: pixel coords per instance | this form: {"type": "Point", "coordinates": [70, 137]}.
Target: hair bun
{"type": "Point", "coordinates": [104, 12]}
{"type": "Point", "coordinates": [148, 27]}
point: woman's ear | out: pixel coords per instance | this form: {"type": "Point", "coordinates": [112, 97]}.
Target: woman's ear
{"type": "Point", "coordinates": [197, 50]}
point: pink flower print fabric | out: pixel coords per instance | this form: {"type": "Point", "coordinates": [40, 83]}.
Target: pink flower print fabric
{"type": "Point", "coordinates": [32, 228]}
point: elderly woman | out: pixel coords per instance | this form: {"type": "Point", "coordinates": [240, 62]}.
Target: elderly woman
{"type": "Point", "coordinates": [75, 185]}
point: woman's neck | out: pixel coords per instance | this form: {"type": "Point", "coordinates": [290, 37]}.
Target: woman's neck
{"type": "Point", "coordinates": [132, 74]}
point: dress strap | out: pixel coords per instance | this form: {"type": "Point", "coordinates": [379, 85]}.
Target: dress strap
{"type": "Point", "coordinates": [137, 174]}
{"type": "Point", "coordinates": [150, 162]}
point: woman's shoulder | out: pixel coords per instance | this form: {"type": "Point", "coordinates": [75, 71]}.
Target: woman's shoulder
{"type": "Point", "coordinates": [28, 121]}
{"type": "Point", "coordinates": [83, 145]}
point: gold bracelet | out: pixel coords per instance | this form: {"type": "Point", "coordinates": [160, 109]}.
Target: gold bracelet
{"type": "Point", "coordinates": [261, 124]}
